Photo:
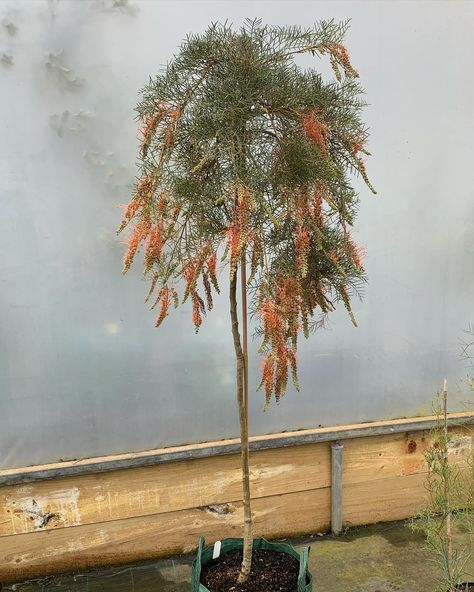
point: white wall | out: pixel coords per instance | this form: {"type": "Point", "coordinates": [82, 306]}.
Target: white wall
{"type": "Point", "coordinates": [82, 369]}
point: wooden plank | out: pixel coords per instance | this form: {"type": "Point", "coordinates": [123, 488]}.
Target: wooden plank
{"type": "Point", "coordinates": [89, 499]}
{"type": "Point", "coordinates": [369, 459]}
{"type": "Point", "coordinates": [212, 449]}
{"type": "Point", "coordinates": [383, 500]}
{"type": "Point", "coordinates": [123, 541]}
{"type": "Point", "coordinates": [368, 500]}
{"type": "Point", "coordinates": [383, 480]}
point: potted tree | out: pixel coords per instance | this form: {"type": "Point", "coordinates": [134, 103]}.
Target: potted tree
{"type": "Point", "coordinates": [246, 161]}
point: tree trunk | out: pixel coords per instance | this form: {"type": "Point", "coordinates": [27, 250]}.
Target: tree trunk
{"type": "Point", "coordinates": [242, 388]}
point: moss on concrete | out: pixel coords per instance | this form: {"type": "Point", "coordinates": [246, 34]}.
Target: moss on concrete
{"type": "Point", "coordinates": [378, 558]}
{"type": "Point", "coordinates": [382, 558]}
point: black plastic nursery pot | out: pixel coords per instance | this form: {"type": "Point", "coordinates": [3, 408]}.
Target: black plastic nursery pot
{"type": "Point", "coordinates": [465, 587]}
{"type": "Point", "coordinates": [204, 556]}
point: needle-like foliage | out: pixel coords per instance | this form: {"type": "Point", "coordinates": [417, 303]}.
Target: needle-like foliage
{"type": "Point", "coordinates": [449, 504]}
{"type": "Point", "coordinates": [246, 154]}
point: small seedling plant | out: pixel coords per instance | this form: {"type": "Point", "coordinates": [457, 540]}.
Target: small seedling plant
{"type": "Point", "coordinates": [246, 163]}
{"type": "Point", "coordinates": [450, 489]}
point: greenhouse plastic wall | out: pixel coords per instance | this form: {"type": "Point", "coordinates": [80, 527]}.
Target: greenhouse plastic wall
{"type": "Point", "coordinates": [83, 371]}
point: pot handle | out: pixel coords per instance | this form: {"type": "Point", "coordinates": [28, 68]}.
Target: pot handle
{"type": "Point", "coordinates": [197, 569]}
{"type": "Point", "coordinates": [304, 554]}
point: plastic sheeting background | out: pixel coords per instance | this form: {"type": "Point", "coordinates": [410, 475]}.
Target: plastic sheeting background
{"type": "Point", "coordinates": [83, 371]}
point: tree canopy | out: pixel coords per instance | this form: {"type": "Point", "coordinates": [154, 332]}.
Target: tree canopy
{"type": "Point", "coordinates": [245, 154]}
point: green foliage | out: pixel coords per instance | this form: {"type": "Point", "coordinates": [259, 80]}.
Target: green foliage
{"type": "Point", "coordinates": [450, 488]}
{"type": "Point", "coordinates": [466, 353]}
{"type": "Point", "coordinates": [247, 158]}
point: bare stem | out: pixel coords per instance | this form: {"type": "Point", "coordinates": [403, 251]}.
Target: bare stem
{"type": "Point", "coordinates": [243, 294]}
{"type": "Point", "coordinates": [242, 388]}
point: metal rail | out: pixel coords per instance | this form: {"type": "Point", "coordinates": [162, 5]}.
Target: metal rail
{"type": "Point", "coordinates": [190, 452]}
{"type": "Point", "coordinates": [336, 487]}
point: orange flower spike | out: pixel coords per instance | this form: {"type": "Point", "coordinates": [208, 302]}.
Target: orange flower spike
{"type": "Point", "coordinates": [358, 253]}
{"type": "Point", "coordinates": [144, 185]}
{"type": "Point", "coordinates": [281, 371]}
{"type": "Point", "coordinates": [357, 147]}
{"type": "Point", "coordinates": [270, 318]}
{"type": "Point", "coordinates": [302, 244]}
{"type": "Point", "coordinates": [169, 136]}
{"type": "Point", "coordinates": [235, 235]}
{"type": "Point", "coordinates": [154, 280]}
{"type": "Point", "coordinates": [148, 129]}
{"type": "Point", "coordinates": [144, 193]}
{"type": "Point", "coordinates": [211, 264]}
{"type": "Point", "coordinates": [175, 296]}
{"type": "Point", "coordinates": [294, 368]}
{"type": "Point", "coordinates": [256, 256]}
{"type": "Point", "coordinates": [189, 274]}
{"type": "Point", "coordinates": [207, 290]}
{"type": "Point", "coordinates": [123, 224]}
{"type": "Point", "coordinates": [196, 316]}
{"type": "Point", "coordinates": [175, 113]}
{"type": "Point", "coordinates": [133, 245]}
{"type": "Point", "coordinates": [154, 247]}
{"type": "Point", "coordinates": [288, 295]}
{"type": "Point", "coordinates": [175, 212]}
{"type": "Point", "coordinates": [243, 206]}
{"type": "Point", "coordinates": [302, 208]}
{"type": "Point", "coordinates": [163, 202]}
{"type": "Point", "coordinates": [318, 209]}
{"type": "Point", "coordinates": [131, 209]}
{"type": "Point", "coordinates": [234, 240]}
{"type": "Point", "coordinates": [164, 306]}
{"type": "Point", "coordinates": [341, 55]}
{"type": "Point", "coordinates": [268, 378]}
{"type": "Point", "coordinates": [316, 131]}
{"type": "Point", "coordinates": [149, 126]}
{"type": "Point", "coordinates": [363, 172]}
{"type": "Point", "coordinates": [237, 231]}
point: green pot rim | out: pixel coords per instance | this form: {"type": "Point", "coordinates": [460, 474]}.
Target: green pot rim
{"type": "Point", "coordinates": [204, 556]}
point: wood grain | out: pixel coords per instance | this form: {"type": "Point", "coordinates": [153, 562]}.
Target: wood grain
{"type": "Point", "coordinates": [384, 500]}
{"type": "Point", "coordinates": [171, 487]}
{"type": "Point", "coordinates": [122, 541]}
{"type": "Point", "coordinates": [89, 499]}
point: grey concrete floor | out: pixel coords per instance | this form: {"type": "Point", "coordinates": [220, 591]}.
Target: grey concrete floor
{"type": "Point", "coordinates": [378, 558]}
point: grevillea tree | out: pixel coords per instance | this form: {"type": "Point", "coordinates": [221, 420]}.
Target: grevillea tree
{"type": "Point", "coordinates": [246, 161]}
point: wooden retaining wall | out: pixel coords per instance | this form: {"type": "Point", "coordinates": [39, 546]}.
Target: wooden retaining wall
{"type": "Point", "coordinates": [127, 508]}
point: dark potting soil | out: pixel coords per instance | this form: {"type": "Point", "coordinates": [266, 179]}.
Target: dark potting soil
{"type": "Point", "coordinates": [469, 588]}
{"type": "Point", "coordinates": [271, 572]}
